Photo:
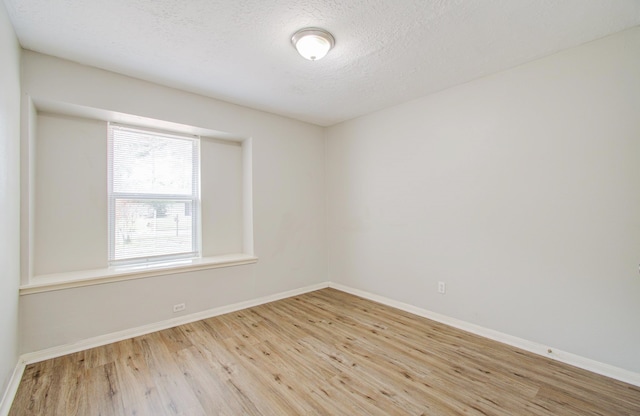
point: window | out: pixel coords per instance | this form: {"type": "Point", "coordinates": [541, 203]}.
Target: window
{"type": "Point", "coordinates": [153, 196]}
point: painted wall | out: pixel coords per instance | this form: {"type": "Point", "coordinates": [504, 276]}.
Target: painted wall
{"type": "Point", "coordinates": [70, 210]}
{"type": "Point", "coordinates": [9, 197]}
{"type": "Point", "coordinates": [518, 190]}
{"type": "Point", "coordinates": [288, 205]}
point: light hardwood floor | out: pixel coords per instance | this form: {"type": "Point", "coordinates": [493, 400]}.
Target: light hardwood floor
{"type": "Point", "coordinates": [322, 353]}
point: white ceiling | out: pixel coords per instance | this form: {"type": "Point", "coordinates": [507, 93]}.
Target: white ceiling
{"type": "Point", "coordinates": [387, 51]}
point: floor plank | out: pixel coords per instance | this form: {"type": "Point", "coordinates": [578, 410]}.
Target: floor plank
{"type": "Point", "coordinates": [321, 353]}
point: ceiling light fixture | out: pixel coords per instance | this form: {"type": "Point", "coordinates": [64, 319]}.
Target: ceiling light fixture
{"type": "Point", "coordinates": [313, 43]}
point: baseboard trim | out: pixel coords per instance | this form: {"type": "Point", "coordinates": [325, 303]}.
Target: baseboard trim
{"type": "Point", "coordinates": [98, 341]}
{"type": "Point", "coordinates": [533, 347]}
{"type": "Point", "coordinates": [12, 388]}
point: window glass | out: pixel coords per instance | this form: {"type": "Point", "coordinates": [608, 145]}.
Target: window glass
{"type": "Point", "coordinates": [153, 196]}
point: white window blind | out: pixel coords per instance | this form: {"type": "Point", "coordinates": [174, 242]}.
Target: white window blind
{"type": "Point", "coordinates": [153, 196]}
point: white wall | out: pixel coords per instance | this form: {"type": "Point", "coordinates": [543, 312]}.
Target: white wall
{"type": "Point", "coordinates": [519, 190]}
{"type": "Point", "coordinates": [70, 209]}
{"type": "Point", "coordinates": [221, 197]}
{"type": "Point", "coordinates": [9, 197]}
{"type": "Point", "coordinates": [288, 206]}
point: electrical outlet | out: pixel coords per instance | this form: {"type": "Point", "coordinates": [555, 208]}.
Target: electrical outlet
{"type": "Point", "coordinates": [179, 307]}
{"type": "Point", "coordinates": [442, 287]}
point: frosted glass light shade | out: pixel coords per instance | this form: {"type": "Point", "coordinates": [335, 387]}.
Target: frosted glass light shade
{"type": "Point", "coordinates": [313, 43]}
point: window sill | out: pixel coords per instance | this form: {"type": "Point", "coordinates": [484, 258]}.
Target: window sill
{"type": "Point", "coordinates": [60, 281]}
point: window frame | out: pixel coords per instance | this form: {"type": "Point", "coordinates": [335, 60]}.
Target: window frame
{"type": "Point", "coordinates": [194, 198]}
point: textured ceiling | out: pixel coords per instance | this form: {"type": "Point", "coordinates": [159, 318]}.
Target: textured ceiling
{"type": "Point", "coordinates": [387, 51]}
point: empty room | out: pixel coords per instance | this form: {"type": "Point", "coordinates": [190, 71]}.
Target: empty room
{"type": "Point", "coordinates": [368, 207]}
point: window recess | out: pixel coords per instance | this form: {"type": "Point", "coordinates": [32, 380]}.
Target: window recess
{"type": "Point", "coordinates": [70, 196]}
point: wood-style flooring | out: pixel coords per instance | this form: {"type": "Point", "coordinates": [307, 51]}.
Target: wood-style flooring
{"type": "Point", "coordinates": [321, 353]}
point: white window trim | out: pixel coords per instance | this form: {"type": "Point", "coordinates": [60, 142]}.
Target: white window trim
{"type": "Point", "coordinates": [68, 280]}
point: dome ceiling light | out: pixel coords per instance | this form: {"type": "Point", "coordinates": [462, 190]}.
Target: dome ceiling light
{"type": "Point", "coordinates": [313, 43]}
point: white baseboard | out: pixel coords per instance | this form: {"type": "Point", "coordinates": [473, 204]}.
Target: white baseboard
{"type": "Point", "coordinates": [12, 388]}
{"type": "Point", "coordinates": [533, 347]}
{"type": "Point", "coordinates": [61, 350]}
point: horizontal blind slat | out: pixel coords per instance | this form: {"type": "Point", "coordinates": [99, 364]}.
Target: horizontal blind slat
{"type": "Point", "coordinates": [153, 195]}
